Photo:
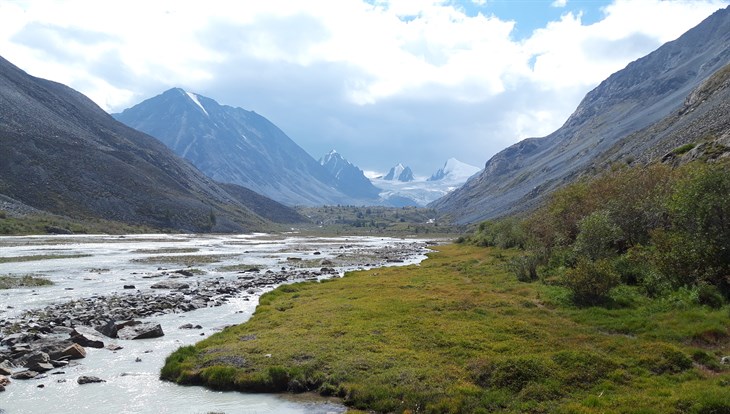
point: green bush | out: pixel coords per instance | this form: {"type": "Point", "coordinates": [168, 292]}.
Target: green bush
{"type": "Point", "coordinates": [598, 236]}
{"type": "Point", "coordinates": [512, 374]}
{"type": "Point", "coordinates": [590, 282]}
{"type": "Point", "coordinates": [709, 295]}
{"type": "Point", "coordinates": [524, 267]}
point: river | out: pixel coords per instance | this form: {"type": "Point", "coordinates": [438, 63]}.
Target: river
{"type": "Point", "coordinates": [99, 266]}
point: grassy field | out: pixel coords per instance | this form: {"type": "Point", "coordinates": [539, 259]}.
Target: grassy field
{"type": "Point", "coordinates": [11, 282]}
{"type": "Point", "coordinates": [459, 334]}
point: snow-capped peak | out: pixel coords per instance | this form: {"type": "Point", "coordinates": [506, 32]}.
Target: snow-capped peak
{"type": "Point", "coordinates": [454, 170]}
{"type": "Point", "coordinates": [194, 98]}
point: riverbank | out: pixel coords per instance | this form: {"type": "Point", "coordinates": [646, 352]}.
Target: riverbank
{"type": "Point", "coordinates": [460, 334]}
{"type": "Point", "coordinates": [181, 288]}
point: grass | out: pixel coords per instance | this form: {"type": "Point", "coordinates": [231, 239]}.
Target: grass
{"type": "Point", "coordinates": [52, 224]}
{"type": "Point", "coordinates": [10, 282]}
{"type": "Point", "coordinates": [17, 259]}
{"type": "Point", "coordinates": [459, 334]}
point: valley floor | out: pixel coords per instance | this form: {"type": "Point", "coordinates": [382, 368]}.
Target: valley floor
{"type": "Point", "coordinates": [458, 333]}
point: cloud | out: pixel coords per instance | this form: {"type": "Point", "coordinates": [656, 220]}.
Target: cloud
{"type": "Point", "coordinates": [382, 81]}
{"type": "Point", "coordinates": [559, 3]}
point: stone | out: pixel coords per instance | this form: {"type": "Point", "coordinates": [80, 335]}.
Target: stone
{"type": "Point", "coordinates": [4, 380]}
{"type": "Point", "coordinates": [24, 375]}
{"type": "Point", "coordinates": [170, 285]}
{"type": "Point", "coordinates": [86, 337]}
{"type": "Point", "coordinates": [38, 362]}
{"type": "Point", "coordinates": [114, 347]}
{"type": "Point", "coordinates": [74, 351]}
{"type": "Point", "coordinates": [2, 388]}
{"type": "Point", "coordinates": [87, 379]}
{"type": "Point", "coordinates": [725, 360]}
{"type": "Point", "coordinates": [129, 287]}
{"type": "Point", "coordinates": [6, 368]}
{"type": "Point", "coordinates": [141, 331]}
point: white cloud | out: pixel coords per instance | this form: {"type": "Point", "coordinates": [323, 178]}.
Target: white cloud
{"type": "Point", "coordinates": [406, 73]}
{"type": "Point", "coordinates": [559, 3]}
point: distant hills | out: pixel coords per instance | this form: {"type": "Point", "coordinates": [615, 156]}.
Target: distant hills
{"type": "Point", "coordinates": [63, 154]}
{"type": "Point", "coordinates": [237, 146]}
{"type": "Point", "coordinates": [350, 179]}
{"type": "Point", "coordinates": [678, 94]}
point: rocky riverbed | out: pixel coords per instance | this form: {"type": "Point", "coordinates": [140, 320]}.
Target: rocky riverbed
{"type": "Point", "coordinates": [111, 294]}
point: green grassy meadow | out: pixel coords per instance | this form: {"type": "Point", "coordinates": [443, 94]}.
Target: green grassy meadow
{"type": "Point", "coordinates": [459, 334]}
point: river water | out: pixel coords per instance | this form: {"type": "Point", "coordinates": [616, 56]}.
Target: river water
{"type": "Point", "coordinates": [103, 264]}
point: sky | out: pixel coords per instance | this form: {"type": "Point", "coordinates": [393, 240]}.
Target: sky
{"type": "Point", "coordinates": [381, 81]}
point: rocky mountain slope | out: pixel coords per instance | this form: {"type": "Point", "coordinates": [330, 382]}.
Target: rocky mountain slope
{"type": "Point", "coordinates": [399, 173]}
{"type": "Point", "coordinates": [236, 146]}
{"type": "Point", "coordinates": [641, 95]}
{"type": "Point", "coordinates": [63, 154]}
{"type": "Point", "coordinates": [350, 179]}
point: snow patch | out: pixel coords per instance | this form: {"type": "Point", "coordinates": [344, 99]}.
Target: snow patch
{"type": "Point", "coordinates": [194, 97]}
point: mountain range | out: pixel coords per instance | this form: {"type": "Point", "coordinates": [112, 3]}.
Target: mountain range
{"type": "Point", "coordinates": [233, 145]}
{"type": "Point", "coordinates": [63, 154]}
{"type": "Point", "coordinates": [653, 105]}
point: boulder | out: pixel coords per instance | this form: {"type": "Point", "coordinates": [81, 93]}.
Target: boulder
{"type": "Point", "coordinates": [170, 285]}
{"type": "Point", "coordinates": [6, 368]}
{"type": "Point", "coordinates": [24, 375]}
{"type": "Point", "coordinates": [4, 380]}
{"type": "Point", "coordinates": [38, 362]}
{"type": "Point", "coordinates": [86, 337]}
{"type": "Point", "coordinates": [2, 388]}
{"type": "Point", "coordinates": [87, 379]}
{"type": "Point", "coordinates": [141, 331]}
{"type": "Point", "coordinates": [74, 351]}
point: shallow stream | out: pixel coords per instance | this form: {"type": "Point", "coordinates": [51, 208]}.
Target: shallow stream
{"type": "Point", "coordinates": [102, 265]}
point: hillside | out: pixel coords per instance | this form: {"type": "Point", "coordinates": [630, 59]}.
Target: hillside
{"type": "Point", "coordinates": [641, 95]}
{"type": "Point", "coordinates": [63, 154]}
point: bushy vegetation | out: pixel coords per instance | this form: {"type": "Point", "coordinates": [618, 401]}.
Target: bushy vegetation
{"type": "Point", "coordinates": [11, 282]}
{"type": "Point", "coordinates": [656, 227]}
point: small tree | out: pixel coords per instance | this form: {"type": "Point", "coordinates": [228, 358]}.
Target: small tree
{"type": "Point", "coordinates": [590, 282]}
{"type": "Point", "coordinates": [598, 236]}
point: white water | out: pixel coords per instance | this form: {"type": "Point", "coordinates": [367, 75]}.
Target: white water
{"type": "Point", "coordinates": [134, 387]}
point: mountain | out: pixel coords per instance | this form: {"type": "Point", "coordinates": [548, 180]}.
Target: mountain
{"type": "Point", "coordinates": [454, 170]}
{"type": "Point", "coordinates": [350, 179]}
{"type": "Point", "coordinates": [236, 146]}
{"type": "Point", "coordinates": [417, 191]}
{"type": "Point", "coordinates": [63, 154]}
{"type": "Point", "coordinates": [639, 96]}
{"type": "Point", "coordinates": [399, 173]}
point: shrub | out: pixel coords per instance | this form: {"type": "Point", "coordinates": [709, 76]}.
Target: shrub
{"type": "Point", "coordinates": [590, 282]}
{"type": "Point", "coordinates": [512, 374]}
{"type": "Point", "coordinates": [709, 295]}
{"type": "Point", "coordinates": [524, 267]}
{"type": "Point", "coordinates": [598, 236]}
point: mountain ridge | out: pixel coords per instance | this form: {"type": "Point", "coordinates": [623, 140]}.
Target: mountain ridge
{"type": "Point", "coordinates": [634, 98]}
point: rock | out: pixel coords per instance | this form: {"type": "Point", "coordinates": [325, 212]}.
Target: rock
{"type": "Point", "coordinates": [87, 379]}
{"type": "Point", "coordinates": [74, 351]}
{"type": "Point", "coordinates": [129, 287]}
{"type": "Point", "coordinates": [2, 388]}
{"type": "Point", "coordinates": [6, 368]}
{"type": "Point", "coordinates": [86, 337]}
{"type": "Point", "coordinates": [190, 326]}
{"type": "Point", "coordinates": [141, 331]}
{"type": "Point", "coordinates": [114, 347]}
{"type": "Point", "coordinates": [170, 285]}
{"type": "Point", "coordinates": [38, 362]}
{"type": "Point", "coordinates": [24, 375]}
{"type": "Point", "coordinates": [725, 360]}
{"type": "Point", "coordinates": [4, 380]}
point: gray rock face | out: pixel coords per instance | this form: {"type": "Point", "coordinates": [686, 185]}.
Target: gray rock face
{"type": "Point", "coordinates": [637, 97]}
{"type": "Point", "coordinates": [141, 331]}
{"type": "Point", "coordinates": [233, 145]}
{"type": "Point", "coordinates": [24, 375]}
{"type": "Point", "coordinates": [39, 362]}
{"type": "Point", "coordinates": [6, 368]}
